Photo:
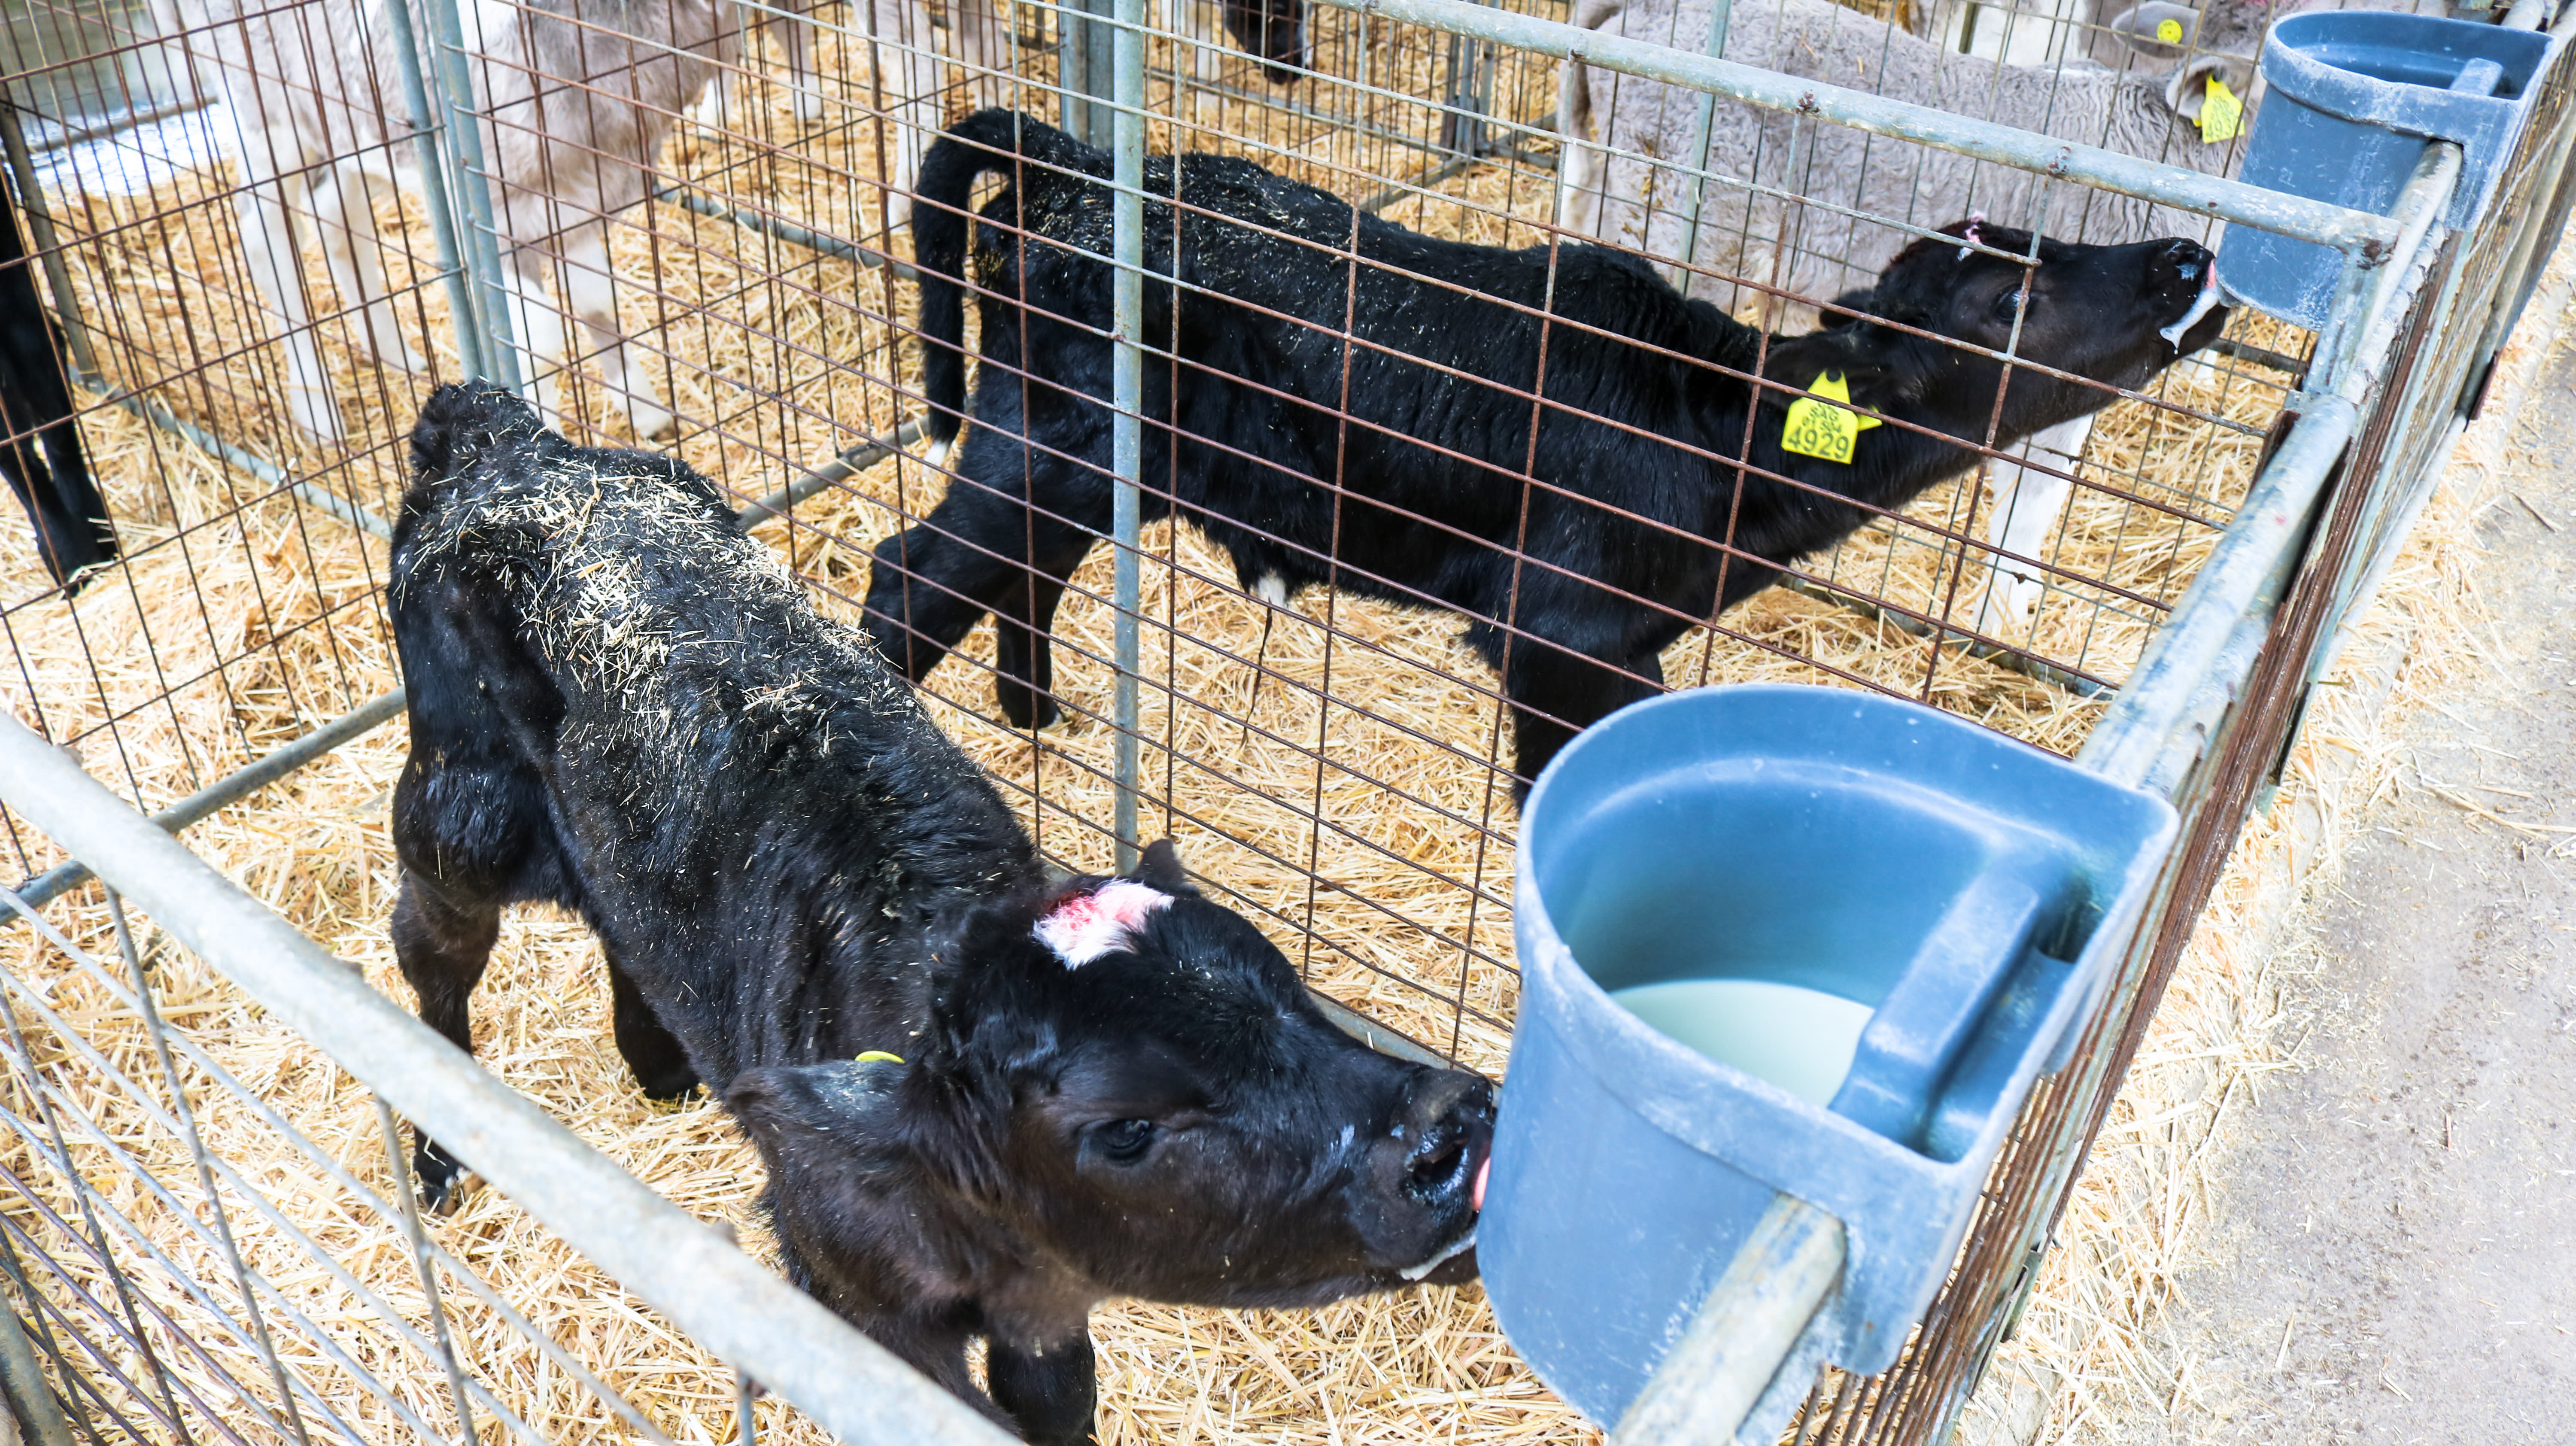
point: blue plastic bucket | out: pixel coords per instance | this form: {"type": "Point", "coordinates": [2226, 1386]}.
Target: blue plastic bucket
{"type": "Point", "coordinates": [2350, 97]}
{"type": "Point", "coordinates": [1968, 890]}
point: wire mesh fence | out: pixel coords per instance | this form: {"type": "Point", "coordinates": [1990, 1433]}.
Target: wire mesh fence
{"type": "Point", "coordinates": [262, 231]}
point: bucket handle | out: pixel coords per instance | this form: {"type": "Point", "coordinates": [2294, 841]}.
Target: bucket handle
{"type": "Point", "coordinates": [1925, 1021]}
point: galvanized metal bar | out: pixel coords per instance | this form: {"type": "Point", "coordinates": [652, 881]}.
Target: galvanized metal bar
{"type": "Point", "coordinates": [1720, 14]}
{"type": "Point", "coordinates": [462, 130]}
{"type": "Point", "coordinates": [328, 1166]}
{"type": "Point", "coordinates": [1127, 398]}
{"type": "Point", "coordinates": [697, 203]}
{"type": "Point", "coordinates": [49, 885]}
{"type": "Point", "coordinates": [2345, 230]}
{"type": "Point", "coordinates": [735, 1307]}
{"type": "Point", "coordinates": [266, 471]}
{"type": "Point", "coordinates": [2152, 707]}
{"type": "Point", "coordinates": [852, 461]}
{"type": "Point", "coordinates": [437, 191]}
{"type": "Point", "coordinates": [2357, 338]}
{"type": "Point", "coordinates": [1735, 1344]}
{"type": "Point", "coordinates": [22, 1382]}
{"type": "Point", "coordinates": [1088, 70]}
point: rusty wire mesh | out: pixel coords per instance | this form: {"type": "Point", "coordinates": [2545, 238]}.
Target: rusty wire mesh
{"type": "Point", "coordinates": [1336, 765]}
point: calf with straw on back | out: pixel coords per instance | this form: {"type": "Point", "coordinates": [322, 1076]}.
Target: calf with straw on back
{"type": "Point", "coordinates": [987, 1100]}
{"type": "Point", "coordinates": [1552, 441]}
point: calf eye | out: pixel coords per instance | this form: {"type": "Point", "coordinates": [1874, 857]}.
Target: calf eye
{"type": "Point", "coordinates": [2010, 301]}
{"type": "Point", "coordinates": [1124, 1141]}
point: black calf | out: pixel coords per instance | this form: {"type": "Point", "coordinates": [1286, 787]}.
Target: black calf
{"type": "Point", "coordinates": [986, 1101]}
{"type": "Point", "coordinates": [40, 449]}
{"type": "Point", "coordinates": [1632, 526]}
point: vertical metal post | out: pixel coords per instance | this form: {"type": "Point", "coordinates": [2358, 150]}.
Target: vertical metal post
{"type": "Point", "coordinates": [1127, 386]}
{"type": "Point", "coordinates": [437, 191]}
{"type": "Point", "coordinates": [1720, 12]}
{"type": "Point", "coordinates": [1088, 70]}
{"type": "Point", "coordinates": [464, 139]}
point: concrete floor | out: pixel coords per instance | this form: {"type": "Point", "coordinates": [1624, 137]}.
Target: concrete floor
{"type": "Point", "coordinates": [2394, 1258]}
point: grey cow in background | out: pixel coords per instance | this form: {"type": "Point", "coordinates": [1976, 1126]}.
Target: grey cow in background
{"type": "Point", "coordinates": [1627, 140]}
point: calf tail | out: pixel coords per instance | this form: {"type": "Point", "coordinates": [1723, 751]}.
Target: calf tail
{"type": "Point", "coordinates": [989, 140]}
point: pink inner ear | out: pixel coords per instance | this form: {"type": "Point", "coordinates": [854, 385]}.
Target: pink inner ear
{"type": "Point", "coordinates": [1086, 926]}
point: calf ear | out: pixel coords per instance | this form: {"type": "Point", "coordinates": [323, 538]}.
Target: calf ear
{"type": "Point", "coordinates": [2159, 29]}
{"type": "Point", "coordinates": [1160, 866]}
{"type": "Point", "coordinates": [2189, 85]}
{"type": "Point", "coordinates": [844, 1116]}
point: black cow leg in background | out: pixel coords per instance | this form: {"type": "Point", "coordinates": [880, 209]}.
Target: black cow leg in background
{"type": "Point", "coordinates": [1050, 1392]}
{"type": "Point", "coordinates": [1023, 648]}
{"type": "Point", "coordinates": [661, 1067]}
{"type": "Point", "coordinates": [443, 948]}
{"type": "Point", "coordinates": [1557, 693]}
{"type": "Point", "coordinates": [73, 533]}
{"type": "Point", "coordinates": [980, 551]}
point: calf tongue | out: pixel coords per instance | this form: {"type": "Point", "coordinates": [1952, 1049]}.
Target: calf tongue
{"type": "Point", "coordinates": [2200, 307]}
{"type": "Point", "coordinates": [1476, 1193]}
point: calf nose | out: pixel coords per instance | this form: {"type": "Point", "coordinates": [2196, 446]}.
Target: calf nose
{"type": "Point", "coordinates": [2182, 260]}
{"type": "Point", "coordinates": [1447, 1128]}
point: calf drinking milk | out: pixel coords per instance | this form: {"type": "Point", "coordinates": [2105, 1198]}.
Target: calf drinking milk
{"type": "Point", "coordinates": [986, 1100]}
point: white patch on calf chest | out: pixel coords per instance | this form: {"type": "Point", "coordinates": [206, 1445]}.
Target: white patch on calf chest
{"type": "Point", "coordinates": [1086, 926]}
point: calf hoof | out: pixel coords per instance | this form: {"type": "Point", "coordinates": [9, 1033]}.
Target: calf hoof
{"type": "Point", "coordinates": [1025, 707]}
{"type": "Point", "coordinates": [442, 1179]}
{"type": "Point", "coordinates": [665, 1087]}
{"type": "Point", "coordinates": [652, 423]}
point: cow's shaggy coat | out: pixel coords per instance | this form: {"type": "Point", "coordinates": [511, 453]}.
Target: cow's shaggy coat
{"type": "Point", "coordinates": [987, 1100]}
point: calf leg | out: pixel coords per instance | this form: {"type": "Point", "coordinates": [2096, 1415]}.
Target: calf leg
{"type": "Point", "coordinates": [804, 80]}
{"type": "Point", "coordinates": [343, 199]}
{"type": "Point", "coordinates": [1050, 1390]}
{"type": "Point", "coordinates": [1023, 648]}
{"type": "Point", "coordinates": [443, 945]}
{"type": "Point", "coordinates": [537, 327]}
{"type": "Point", "coordinates": [661, 1066]}
{"type": "Point", "coordinates": [1557, 691]}
{"type": "Point", "coordinates": [266, 204]}
{"type": "Point", "coordinates": [983, 38]}
{"type": "Point", "coordinates": [591, 288]}
{"type": "Point", "coordinates": [983, 551]}
{"type": "Point", "coordinates": [2027, 505]}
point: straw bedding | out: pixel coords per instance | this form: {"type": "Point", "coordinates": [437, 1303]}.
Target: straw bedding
{"type": "Point", "coordinates": [257, 617]}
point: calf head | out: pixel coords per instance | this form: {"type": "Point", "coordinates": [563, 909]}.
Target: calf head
{"type": "Point", "coordinates": [1275, 30]}
{"type": "Point", "coordinates": [2116, 314]}
{"type": "Point", "coordinates": [1124, 1090]}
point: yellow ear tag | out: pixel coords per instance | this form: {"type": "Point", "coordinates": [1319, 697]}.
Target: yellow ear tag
{"type": "Point", "coordinates": [2169, 31]}
{"type": "Point", "coordinates": [879, 1056]}
{"type": "Point", "coordinates": [2222, 115]}
{"type": "Point", "coordinates": [1814, 429]}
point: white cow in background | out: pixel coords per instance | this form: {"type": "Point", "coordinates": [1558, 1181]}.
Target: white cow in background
{"type": "Point", "coordinates": [909, 68]}
{"type": "Point", "coordinates": [579, 94]}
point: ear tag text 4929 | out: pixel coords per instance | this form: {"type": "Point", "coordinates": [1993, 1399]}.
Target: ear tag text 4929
{"type": "Point", "coordinates": [1817, 429]}
{"type": "Point", "coordinates": [2222, 115]}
